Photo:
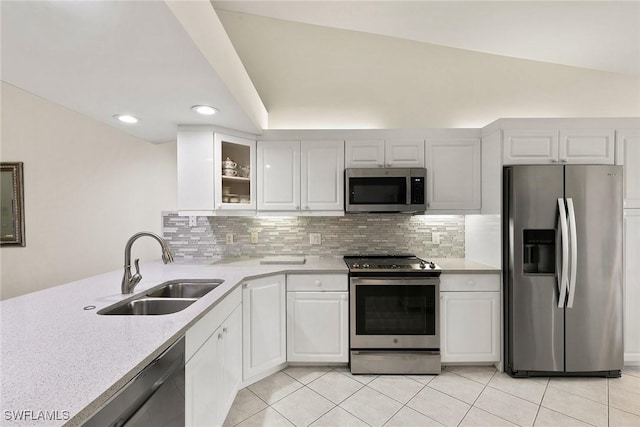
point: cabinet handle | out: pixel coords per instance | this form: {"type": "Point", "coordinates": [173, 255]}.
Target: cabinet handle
{"type": "Point", "coordinates": [306, 207]}
{"type": "Point", "coordinates": [220, 335]}
{"type": "Point", "coordinates": [554, 161]}
{"type": "Point", "coordinates": [380, 165]}
{"type": "Point", "coordinates": [563, 161]}
{"type": "Point", "coordinates": [224, 330]}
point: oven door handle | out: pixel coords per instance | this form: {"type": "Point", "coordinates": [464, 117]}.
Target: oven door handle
{"type": "Point", "coordinates": [386, 281]}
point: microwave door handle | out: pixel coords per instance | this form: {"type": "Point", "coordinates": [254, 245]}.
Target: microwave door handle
{"type": "Point", "coordinates": [573, 246]}
{"type": "Point", "coordinates": [408, 197]}
{"type": "Point", "coordinates": [563, 277]}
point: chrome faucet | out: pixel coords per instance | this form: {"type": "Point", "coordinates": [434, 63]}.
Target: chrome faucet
{"type": "Point", "coordinates": [130, 281]}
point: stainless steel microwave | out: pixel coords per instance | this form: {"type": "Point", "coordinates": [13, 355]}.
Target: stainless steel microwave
{"type": "Point", "coordinates": [385, 190]}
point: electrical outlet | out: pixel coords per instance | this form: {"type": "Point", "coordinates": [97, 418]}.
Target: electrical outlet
{"type": "Point", "coordinates": [193, 220]}
{"type": "Point", "coordinates": [435, 238]}
{"type": "Point", "coordinates": [254, 237]}
{"type": "Point", "coordinates": [229, 239]}
{"type": "Point", "coordinates": [315, 238]}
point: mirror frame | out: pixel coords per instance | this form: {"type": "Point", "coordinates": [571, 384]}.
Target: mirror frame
{"type": "Point", "coordinates": [16, 169]}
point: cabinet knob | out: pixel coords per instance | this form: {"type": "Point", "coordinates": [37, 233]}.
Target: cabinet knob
{"type": "Point", "coordinates": [306, 207]}
{"type": "Point", "coordinates": [219, 205]}
{"type": "Point", "coordinates": [563, 161]}
{"type": "Point", "coordinates": [554, 161]}
{"type": "Point", "coordinates": [220, 335]}
{"type": "Point", "coordinates": [297, 207]}
{"type": "Point", "coordinates": [244, 285]}
{"type": "Point", "coordinates": [380, 165]}
{"type": "Point", "coordinates": [224, 330]}
{"type": "Point", "coordinates": [318, 283]}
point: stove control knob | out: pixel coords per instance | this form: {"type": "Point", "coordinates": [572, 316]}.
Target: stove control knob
{"type": "Point", "coordinates": [423, 265]}
{"type": "Point", "coordinates": [355, 265]}
{"type": "Point", "coordinates": [432, 265]}
{"type": "Point", "coordinates": [365, 265]}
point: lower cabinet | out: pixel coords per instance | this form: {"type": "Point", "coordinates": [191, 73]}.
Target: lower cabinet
{"type": "Point", "coordinates": [631, 286]}
{"type": "Point", "coordinates": [213, 373]}
{"type": "Point", "coordinates": [470, 320]}
{"type": "Point", "coordinates": [264, 325]}
{"type": "Point", "coordinates": [318, 327]}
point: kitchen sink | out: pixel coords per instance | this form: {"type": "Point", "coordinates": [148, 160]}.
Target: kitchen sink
{"type": "Point", "coordinates": [166, 298]}
{"type": "Point", "coordinates": [184, 289]}
{"type": "Point", "coordinates": [149, 306]}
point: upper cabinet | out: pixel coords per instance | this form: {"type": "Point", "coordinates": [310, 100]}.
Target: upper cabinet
{"type": "Point", "coordinates": [453, 174]}
{"type": "Point", "coordinates": [407, 153]}
{"type": "Point", "coordinates": [628, 154]}
{"type": "Point", "coordinates": [195, 170]}
{"type": "Point", "coordinates": [216, 172]}
{"type": "Point", "coordinates": [301, 176]}
{"type": "Point", "coordinates": [235, 171]}
{"type": "Point", "coordinates": [582, 146]}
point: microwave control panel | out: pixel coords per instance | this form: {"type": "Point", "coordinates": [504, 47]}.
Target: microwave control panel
{"type": "Point", "coordinates": [417, 190]}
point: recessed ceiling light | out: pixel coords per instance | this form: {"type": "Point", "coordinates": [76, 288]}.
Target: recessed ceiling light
{"type": "Point", "coordinates": [126, 118]}
{"type": "Point", "coordinates": [205, 110]}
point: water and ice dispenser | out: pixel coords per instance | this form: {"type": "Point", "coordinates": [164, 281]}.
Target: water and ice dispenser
{"type": "Point", "coordinates": [539, 251]}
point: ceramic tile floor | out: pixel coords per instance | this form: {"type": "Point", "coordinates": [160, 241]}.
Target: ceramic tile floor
{"type": "Point", "coordinates": [460, 396]}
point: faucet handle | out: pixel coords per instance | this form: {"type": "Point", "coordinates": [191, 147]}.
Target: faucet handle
{"type": "Point", "coordinates": [137, 276]}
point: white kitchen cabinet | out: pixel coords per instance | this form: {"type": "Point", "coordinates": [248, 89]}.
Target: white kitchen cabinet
{"type": "Point", "coordinates": [195, 170]}
{"type": "Point", "coordinates": [301, 176]}
{"type": "Point", "coordinates": [213, 370]}
{"type": "Point", "coordinates": [408, 153]}
{"type": "Point", "coordinates": [364, 153]}
{"type": "Point", "coordinates": [632, 286]}
{"type": "Point", "coordinates": [470, 318]}
{"type": "Point", "coordinates": [203, 187]}
{"type": "Point", "coordinates": [322, 175]}
{"type": "Point", "coordinates": [317, 318]}
{"type": "Point", "coordinates": [628, 154]}
{"type": "Point", "coordinates": [453, 174]}
{"type": "Point", "coordinates": [549, 146]}
{"type": "Point", "coordinates": [264, 325]}
{"type": "Point", "coordinates": [236, 188]}
{"type": "Point", "coordinates": [404, 153]}
{"type": "Point", "coordinates": [279, 175]}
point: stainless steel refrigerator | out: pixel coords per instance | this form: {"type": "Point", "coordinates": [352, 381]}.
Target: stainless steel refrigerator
{"type": "Point", "coordinates": [562, 264]}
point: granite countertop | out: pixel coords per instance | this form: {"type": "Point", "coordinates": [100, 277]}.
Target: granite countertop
{"type": "Point", "coordinates": [58, 356]}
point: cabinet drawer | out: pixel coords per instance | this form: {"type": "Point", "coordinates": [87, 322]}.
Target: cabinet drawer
{"type": "Point", "coordinates": [317, 282]}
{"type": "Point", "coordinates": [206, 326]}
{"type": "Point", "coordinates": [469, 282]}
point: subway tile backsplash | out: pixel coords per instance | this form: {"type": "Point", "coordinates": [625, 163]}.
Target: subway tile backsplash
{"type": "Point", "coordinates": [350, 234]}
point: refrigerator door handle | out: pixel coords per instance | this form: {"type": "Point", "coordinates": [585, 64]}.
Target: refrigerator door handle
{"type": "Point", "coordinates": [563, 280]}
{"type": "Point", "coordinates": [573, 244]}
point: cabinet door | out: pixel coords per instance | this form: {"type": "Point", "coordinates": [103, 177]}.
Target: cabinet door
{"type": "Point", "coordinates": [454, 175]}
{"type": "Point", "coordinates": [404, 153]}
{"type": "Point", "coordinates": [195, 170]}
{"type": "Point", "coordinates": [278, 175]}
{"type": "Point", "coordinates": [231, 356]}
{"type": "Point", "coordinates": [628, 154]}
{"type": "Point", "coordinates": [317, 327]}
{"type": "Point", "coordinates": [322, 176]}
{"type": "Point", "coordinates": [632, 285]}
{"type": "Point", "coordinates": [530, 147]}
{"type": "Point", "coordinates": [204, 386]}
{"type": "Point", "coordinates": [235, 186]}
{"type": "Point", "coordinates": [364, 154]}
{"type": "Point", "coordinates": [587, 147]}
{"type": "Point", "coordinates": [470, 326]}
{"type": "Point", "coordinates": [263, 325]}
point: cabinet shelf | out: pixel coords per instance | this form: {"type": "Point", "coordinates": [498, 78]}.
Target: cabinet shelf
{"type": "Point", "coordinates": [236, 178]}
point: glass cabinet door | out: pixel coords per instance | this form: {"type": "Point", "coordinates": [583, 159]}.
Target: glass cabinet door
{"type": "Point", "coordinates": [235, 171]}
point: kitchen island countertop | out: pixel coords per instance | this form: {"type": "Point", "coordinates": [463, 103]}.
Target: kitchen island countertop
{"type": "Point", "coordinates": [60, 361]}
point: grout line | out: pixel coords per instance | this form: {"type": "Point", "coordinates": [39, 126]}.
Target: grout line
{"type": "Point", "coordinates": [546, 387]}
{"type": "Point", "coordinates": [484, 387]}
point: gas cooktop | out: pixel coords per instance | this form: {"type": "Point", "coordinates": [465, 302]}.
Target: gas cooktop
{"type": "Point", "coordinates": [391, 264]}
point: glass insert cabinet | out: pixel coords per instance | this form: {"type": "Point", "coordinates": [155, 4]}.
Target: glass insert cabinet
{"type": "Point", "coordinates": [234, 171]}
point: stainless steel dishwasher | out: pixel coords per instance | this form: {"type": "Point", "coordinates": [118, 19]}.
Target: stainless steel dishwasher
{"type": "Point", "coordinates": [154, 397]}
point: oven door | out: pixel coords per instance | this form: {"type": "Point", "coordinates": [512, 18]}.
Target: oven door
{"type": "Point", "coordinates": [394, 313]}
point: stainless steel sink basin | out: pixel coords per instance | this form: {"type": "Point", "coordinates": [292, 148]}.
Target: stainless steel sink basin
{"type": "Point", "coordinates": [149, 306]}
{"type": "Point", "coordinates": [166, 298]}
{"type": "Point", "coordinates": [184, 289]}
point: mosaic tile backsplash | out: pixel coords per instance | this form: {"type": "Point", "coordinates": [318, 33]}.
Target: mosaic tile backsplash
{"type": "Point", "coordinates": [351, 234]}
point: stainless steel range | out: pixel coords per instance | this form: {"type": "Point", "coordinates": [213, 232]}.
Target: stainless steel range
{"type": "Point", "coordinates": [394, 314]}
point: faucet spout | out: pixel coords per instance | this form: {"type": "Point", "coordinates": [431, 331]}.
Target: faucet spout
{"type": "Point", "coordinates": [129, 280]}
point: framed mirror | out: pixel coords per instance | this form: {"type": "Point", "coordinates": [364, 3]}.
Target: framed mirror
{"type": "Point", "coordinates": [11, 204]}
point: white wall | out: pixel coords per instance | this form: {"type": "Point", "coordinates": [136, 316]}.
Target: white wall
{"type": "Point", "coordinates": [316, 77]}
{"type": "Point", "coordinates": [88, 187]}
